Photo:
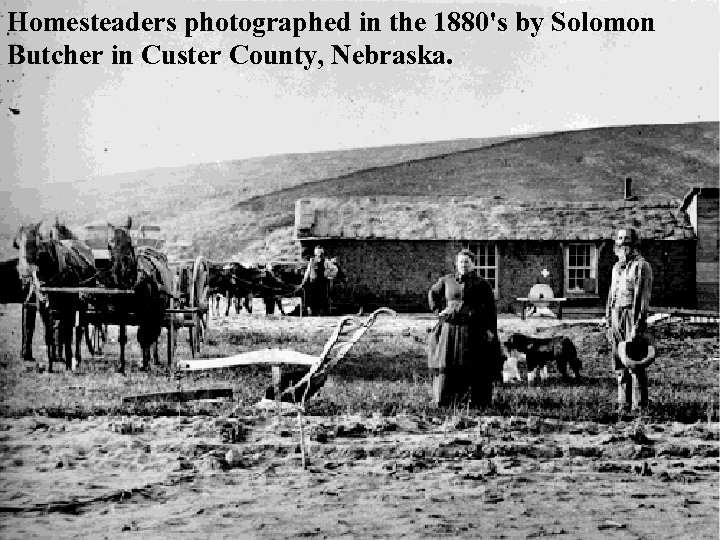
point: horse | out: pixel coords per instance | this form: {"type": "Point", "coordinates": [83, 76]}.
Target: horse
{"type": "Point", "coordinates": [218, 285]}
{"type": "Point", "coordinates": [279, 281]}
{"type": "Point", "coordinates": [214, 299]}
{"type": "Point", "coordinates": [53, 258]}
{"type": "Point", "coordinates": [12, 291]}
{"type": "Point", "coordinates": [270, 282]}
{"type": "Point", "coordinates": [145, 271]}
{"type": "Point", "coordinates": [232, 280]}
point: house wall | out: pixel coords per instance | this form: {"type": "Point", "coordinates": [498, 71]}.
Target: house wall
{"type": "Point", "coordinates": [519, 267]}
{"type": "Point", "coordinates": [673, 266]}
{"type": "Point", "coordinates": [708, 266]}
{"type": "Point", "coordinates": [398, 274]}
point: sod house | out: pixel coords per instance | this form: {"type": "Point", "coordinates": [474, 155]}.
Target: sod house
{"type": "Point", "coordinates": [392, 249]}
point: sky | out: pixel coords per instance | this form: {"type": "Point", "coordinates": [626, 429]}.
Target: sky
{"type": "Point", "coordinates": [63, 123]}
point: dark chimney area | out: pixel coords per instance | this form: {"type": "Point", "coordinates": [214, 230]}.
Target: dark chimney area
{"type": "Point", "coordinates": [628, 190]}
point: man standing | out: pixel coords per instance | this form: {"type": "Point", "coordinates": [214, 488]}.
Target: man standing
{"type": "Point", "coordinates": [316, 282]}
{"type": "Point", "coordinates": [627, 309]}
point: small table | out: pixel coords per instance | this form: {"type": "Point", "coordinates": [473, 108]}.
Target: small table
{"type": "Point", "coordinates": [540, 301]}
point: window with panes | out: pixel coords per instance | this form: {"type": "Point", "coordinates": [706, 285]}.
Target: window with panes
{"type": "Point", "coordinates": [580, 268]}
{"type": "Point", "coordinates": [486, 263]}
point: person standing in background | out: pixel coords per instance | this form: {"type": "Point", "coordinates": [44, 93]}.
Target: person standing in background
{"type": "Point", "coordinates": [316, 283]}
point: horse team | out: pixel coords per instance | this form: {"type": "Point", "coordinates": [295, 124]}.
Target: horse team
{"type": "Point", "coordinates": [54, 258]}
{"type": "Point", "coordinates": [239, 284]}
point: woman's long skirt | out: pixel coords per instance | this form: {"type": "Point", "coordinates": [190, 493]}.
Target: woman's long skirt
{"type": "Point", "coordinates": [461, 363]}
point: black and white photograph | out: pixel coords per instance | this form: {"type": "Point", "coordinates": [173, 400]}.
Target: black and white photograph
{"type": "Point", "coordinates": [360, 269]}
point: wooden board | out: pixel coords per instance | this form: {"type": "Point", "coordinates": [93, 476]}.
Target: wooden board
{"type": "Point", "coordinates": [186, 395]}
{"type": "Point", "coordinates": [85, 290]}
{"type": "Point", "coordinates": [274, 357]}
{"type": "Point", "coordinates": [685, 312]}
{"type": "Point", "coordinates": [541, 300]}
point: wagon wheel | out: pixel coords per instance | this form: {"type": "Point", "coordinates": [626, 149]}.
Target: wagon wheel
{"type": "Point", "coordinates": [199, 303]}
{"type": "Point", "coordinates": [23, 332]}
{"type": "Point", "coordinates": [171, 328]}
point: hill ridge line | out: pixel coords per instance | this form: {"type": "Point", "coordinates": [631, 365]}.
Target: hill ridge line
{"type": "Point", "coordinates": [347, 175]}
{"type": "Point", "coordinates": [549, 135]}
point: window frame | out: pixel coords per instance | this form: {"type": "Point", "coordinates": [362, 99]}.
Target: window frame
{"type": "Point", "coordinates": [475, 248]}
{"type": "Point", "coordinates": [593, 267]}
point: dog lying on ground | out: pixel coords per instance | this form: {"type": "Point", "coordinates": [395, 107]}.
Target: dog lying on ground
{"type": "Point", "coordinates": [540, 352]}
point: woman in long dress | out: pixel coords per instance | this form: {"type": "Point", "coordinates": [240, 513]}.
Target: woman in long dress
{"type": "Point", "coordinates": [464, 351]}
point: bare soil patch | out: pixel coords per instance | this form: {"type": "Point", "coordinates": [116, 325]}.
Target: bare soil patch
{"type": "Point", "coordinates": [545, 461]}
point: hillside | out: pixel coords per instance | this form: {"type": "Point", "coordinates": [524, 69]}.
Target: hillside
{"type": "Point", "coordinates": [189, 198]}
{"type": "Point", "coordinates": [663, 161]}
{"type": "Point", "coordinates": [245, 209]}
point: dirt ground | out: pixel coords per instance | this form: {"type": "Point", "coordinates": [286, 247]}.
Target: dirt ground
{"type": "Point", "coordinates": [239, 474]}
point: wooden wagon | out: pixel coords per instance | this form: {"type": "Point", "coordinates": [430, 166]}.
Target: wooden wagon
{"type": "Point", "coordinates": [188, 308]}
{"type": "Point", "coordinates": [103, 306]}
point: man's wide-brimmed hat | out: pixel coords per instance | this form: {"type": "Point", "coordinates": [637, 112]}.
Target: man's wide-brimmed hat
{"type": "Point", "coordinates": [637, 353]}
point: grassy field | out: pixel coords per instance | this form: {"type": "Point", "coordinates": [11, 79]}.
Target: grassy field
{"type": "Point", "coordinates": [385, 373]}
